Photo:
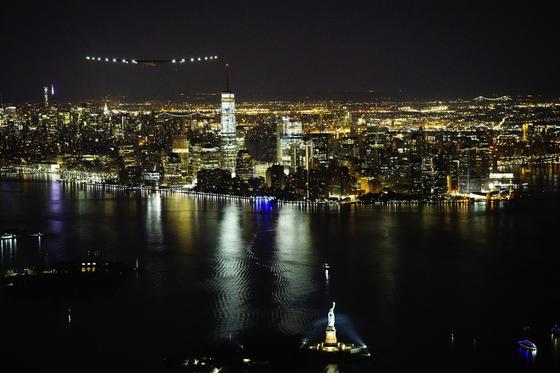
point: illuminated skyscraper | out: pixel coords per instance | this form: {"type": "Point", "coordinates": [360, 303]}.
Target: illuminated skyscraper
{"type": "Point", "coordinates": [290, 148]}
{"type": "Point", "coordinates": [228, 130]}
{"type": "Point", "coordinates": [428, 176]}
{"type": "Point", "coordinates": [181, 146]}
{"type": "Point", "coordinates": [320, 149]}
{"type": "Point", "coordinates": [469, 178]}
{"type": "Point", "coordinates": [525, 129]}
{"type": "Point", "coordinates": [350, 123]}
{"type": "Point", "coordinates": [46, 96]}
{"type": "Point", "coordinates": [244, 165]}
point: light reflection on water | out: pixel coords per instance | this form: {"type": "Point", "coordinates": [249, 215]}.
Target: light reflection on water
{"type": "Point", "coordinates": [214, 268]}
{"type": "Point", "coordinates": [293, 271]}
{"type": "Point", "coordinates": [153, 223]}
{"type": "Point", "coordinates": [272, 266]}
{"type": "Point", "coordinates": [8, 251]}
{"type": "Point", "coordinates": [332, 368]}
{"type": "Point", "coordinates": [230, 281]}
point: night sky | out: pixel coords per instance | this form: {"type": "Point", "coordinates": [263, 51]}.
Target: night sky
{"type": "Point", "coordinates": [279, 49]}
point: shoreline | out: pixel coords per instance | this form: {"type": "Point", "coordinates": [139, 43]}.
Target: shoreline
{"type": "Point", "coordinates": [251, 199]}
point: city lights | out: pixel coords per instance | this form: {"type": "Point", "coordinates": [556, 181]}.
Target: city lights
{"type": "Point", "coordinates": [405, 152]}
{"type": "Point", "coordinates": [270, 186]}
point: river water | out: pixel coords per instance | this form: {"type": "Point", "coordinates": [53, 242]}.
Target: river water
{"type": "Point", "coordinates": [425, 287]}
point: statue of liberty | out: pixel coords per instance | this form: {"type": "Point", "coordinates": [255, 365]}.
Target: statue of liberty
{"type": "Point", "coordinates": [330, 317]}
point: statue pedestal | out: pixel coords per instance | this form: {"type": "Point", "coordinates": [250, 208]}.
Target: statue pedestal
{"type": "Point", "coordinates": [330, 335]}
{"type": "Point", "coordinates": [334, 350]}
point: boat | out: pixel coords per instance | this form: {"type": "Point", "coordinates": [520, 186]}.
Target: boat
{"type": "Point", "coordinates": [326, 266]}
{"type": "Point", "coordinates": [527, 345]}
{"type": "Point", "coordinates": [555, 331]}
{"type": "Point", "coordinates": [38, 234]}
{"type": "Point", "coordinates": [8, 236]}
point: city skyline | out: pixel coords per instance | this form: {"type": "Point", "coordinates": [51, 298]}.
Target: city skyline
{"type": "Point", "coordinates": [310, 151]}
{"type": "Point", "coordinates": [195, 186]}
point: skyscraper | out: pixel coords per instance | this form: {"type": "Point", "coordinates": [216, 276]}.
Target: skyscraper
{"type": "Point", "coordinates": [244, 165]}
{"type": "Point", "coordinates": [181, 146]}
{"type": "Point", "coordinates": [290, 148]}
{"type": "Point", "coordinates": [320, 149]}
{"type": "Point", "coordinates": [228, 130]}
{"type": "Point", "coordinates": [350, 123]}
{"type": "Point", "coordinates": [525, 131]}
{"type": "Point", "coordinates": [46, 96]}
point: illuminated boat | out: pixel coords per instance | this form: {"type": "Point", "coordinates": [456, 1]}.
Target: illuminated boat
{"type": "Point", "coordinates": [8, 236]}
{"type": "Point", "coordinates": [527, 345]}
{"type": "Point", "coordinates": [326, 266]}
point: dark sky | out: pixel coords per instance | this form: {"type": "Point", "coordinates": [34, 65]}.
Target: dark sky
{"type": "Point", "coordinates": [280, 48]}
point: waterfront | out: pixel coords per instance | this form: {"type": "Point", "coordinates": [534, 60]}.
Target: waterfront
{"type": "Point", "coordinates": [404, 278]}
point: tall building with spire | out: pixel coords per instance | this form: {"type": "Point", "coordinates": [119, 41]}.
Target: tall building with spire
{"type": "Point", "coordinates": [228, 130]}
{"type": "Point", "coordinates": [46, 96]}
